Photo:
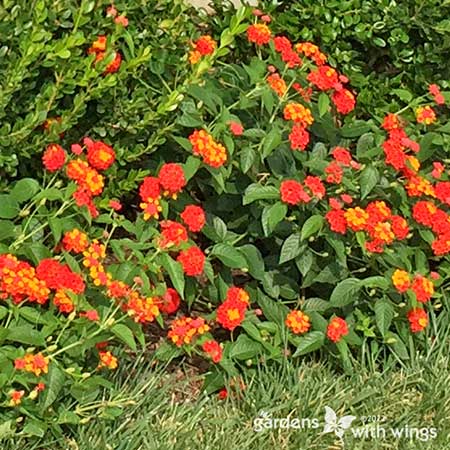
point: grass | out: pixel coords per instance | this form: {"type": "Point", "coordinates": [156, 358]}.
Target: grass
{"type": "Point", "coordinates": [170, 412]}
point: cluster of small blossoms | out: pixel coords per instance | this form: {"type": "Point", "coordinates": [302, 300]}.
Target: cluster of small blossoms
{"type": "Point", "coordinates": [184, 329]}
{"type": "Point", "coordinates": [75, 241]}
{"type": "Point", "coordinates": [19, 280]}
{"type": "Point", "coordinates": [377, 220]}
{"type": "Point", "coordinates": [294, 193]}
{"type": "Point", "coordinates": [213, 153]}
{"type": "Point", "coordinates": [436, 93]}
{"type": "Point", "coordinates": [169, 183]}
{"type": "Point", "coordinates": [121, 19]}
{"type": "Point", "coordinates": [428, 214]}
{"type": "Point", "coordinates": [425, 115]}
{"type": "Point", "coordinates": [107, 360]}
{"type": "Point", "coordinates": [285, 48]}
{"type": "Point", "coordinates": [302, 118]}
{"type": "Point", "coordinates": [213, 349]}
{"type": "Point", "coordinates": [337, 328]}
{"type": "Point", "coordinates": [312, 52]}
{"type": "Point", "coordinates": [422, 287]}
{"type": "Point", "coordinates": [33, 363]}
{"type": "Point", "coordinates": [396, 146]}
{"type": "Point", "coordinates": [418, 319]}
{"type": "Point", "coordinates": [231, 312]}
{"type": "Point", "coordinates": [141, 309]}
{"type": "Point", "coordinates": [98, 48]}
{"type": "Point", "coordinates": [277, 84]}
{"type": "Point", "coordinates": [90, 182]}
{"type": "Point", "coordinates": [63, 280]}
{"type": "Point", "coordinates": [259, 34]}
{"type": "Point", "coordinates": [203, 46]}
{"type": "Point", "coordinates": [298, 322]}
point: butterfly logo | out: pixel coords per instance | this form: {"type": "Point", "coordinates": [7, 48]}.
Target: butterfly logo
{"type": "Point", "coordinates": [333, 425]}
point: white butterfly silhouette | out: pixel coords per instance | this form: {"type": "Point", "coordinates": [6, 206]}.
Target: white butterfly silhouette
{"type": "Point", "coordinates": [332, 424]}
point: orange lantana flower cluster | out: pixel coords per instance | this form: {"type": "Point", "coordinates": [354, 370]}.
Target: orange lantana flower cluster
{"type": "Point", "coordinates": [231, 312]}
{"type": "Point", "coordinates": [213, 153]}
{"type": "Point", "coordinates": [184, 329]}
{"type": "Point", "coordinates": [377, 220]}
{"type": "Point", "coordinates": [203, 46]}
{"type": "Point", "coordinates": [98, 48]}
{"type": "Point", "coordinates": [422, 287]}
{"type": "Point", "coordinates": [34, 363]}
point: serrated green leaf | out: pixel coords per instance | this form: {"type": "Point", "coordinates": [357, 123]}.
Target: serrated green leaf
{"type": "Point", "coordinates": [384, 313]}
{"type": "Point", "coordinates": [369, 179]}
{"type": "Point", "coordinates": [309, 342]}
{"type": "Point", "coordinates": [312, 225]}
{"type": "Point", "coordinates": [175, 271]}
{"type": "Point", "coordinates": [125, 335]}
{"type": "Point", "coordinates": [291, 248]}
{"type": "Point", "coordinates": [257, 192]}
{"type": "Point", "coordinates": [344, 292]}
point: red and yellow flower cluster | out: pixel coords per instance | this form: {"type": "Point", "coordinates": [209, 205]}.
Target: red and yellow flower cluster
{"type": "Point", "coordinates": [33, 363]}
{"type": "Point", "coordinates": [184, 329]}
{"type": "Point", "coordinates": [298, 322]}
{"type": "Point", "coordinates": [169, 183]}
{"type": "Point", "coordinates": [294, 193]}
{"type": "Point", "coordinates": [422, 287]}
{"type": "Point", "coordinates": [213, 153]}
{"type": "Point", "coordinates": [90, 182]}
{"type": "Point", "coordinates": [377, 220]}
{"type": "Point", "coordinates": [99, 49]}
{"type": "Point", "coordinates": [426, 213]}
{"type": "Point", "coordinates": [203, 46]}
{"type": "Point", "coordinates": [231, 312]}
{"type": "Point", "coordinates": [337, 329]}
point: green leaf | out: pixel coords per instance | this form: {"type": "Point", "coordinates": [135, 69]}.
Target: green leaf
{"type": "Point", "coordinates": [248, 156]}
{"type": "Point", "coordinates": [316, 304]}
{"type": "Point", "coordinates": [379, 42]}
{"type": "Point", "coordinates": [244, 348]}
{"type": "Point", "coordinates": [271, 141]}
{"type": "Point", "coordinates": [53, 386]}
{"type": "Point", "coordinates": [6, 429]}
{"type": "Point", "coordinates": [229, 256]}
{"type": "Point", "coordinates": [312, 225]}
{"type": "Point", "coordinates": [369, 179]}
{"type": "Point", "coordinates": [272, 309]}
{"type": "Point", "coordinates": [25, 335]}
{"type": "Point", "coordinates": [7, 229]}
{"type": "Point", "coordinates": [290, 249]}
{"type": "Point", "coordinates": [254, 259]}
{"type": "Point", "coordinates": [376, 282]}
{"type": "Point", "coordinates": [9, 208]}
{"type": "Point", "coordinates": [309, 342]}
{"type": "Point", "coordinates": [304, 262]}
{"type": "Point", "coordinates": [324, 104]}
{"type": "Point", "coordinates": [272, 216]}
{"type": "Point", "coordinates": [384, 313]}
{"type": "Point", "coordinates": [257, 192]}
{"type": "Point", "coordinates": [426, 146]}
{"type": "Point", "coordinates": [34, 428]}
{"type": "Point", "coordinates": [355, 129]}
{"type": "Point", "coordinates": [25, 189]}
{"type": "Point", "coordinates": [124, 334]}
{"type": "Point", "coordinates": [344, 292]}
{"type": "Point", "coordinates": [166, 352]}
{"type": "Point", "coordinates": [190, 167]}
{"type": "Point", "coordinates": [365, 143]}
{"type": "Point", "coordinates": [175, 271]}
{"type": "Point", "coordinates": [403, 94]}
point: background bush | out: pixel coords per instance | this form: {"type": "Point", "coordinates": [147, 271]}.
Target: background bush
{"type": "Point", "coordinates": [380, 45]}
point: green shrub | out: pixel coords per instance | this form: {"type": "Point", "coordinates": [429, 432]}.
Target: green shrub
{"type": "Point", "coordinates": [272, 221]}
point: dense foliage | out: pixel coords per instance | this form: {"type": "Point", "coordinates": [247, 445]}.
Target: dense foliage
{"type": "Point", "coordinates": [212, 193]}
